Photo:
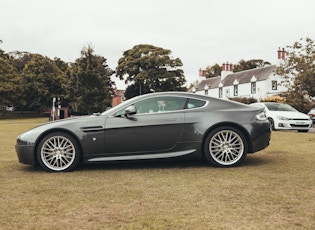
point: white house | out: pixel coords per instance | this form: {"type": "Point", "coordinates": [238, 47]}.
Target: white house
{"type": "Point", "coordinates": [256, 83]}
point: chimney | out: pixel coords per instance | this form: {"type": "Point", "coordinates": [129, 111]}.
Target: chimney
{"type": "Point", "coordinates": [226, 69]}
{"type": "Point", "coordinates": [223, 67]}
{"type": "Point", "coordinates": [202, 73]}
{"type": "Point", "coordinates": [281, 54]}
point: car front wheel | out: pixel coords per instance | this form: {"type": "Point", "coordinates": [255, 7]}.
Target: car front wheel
{"type": "Point", "coordinates": [58, 152]}
{"type": "Point", "coordinates": [225, 147]}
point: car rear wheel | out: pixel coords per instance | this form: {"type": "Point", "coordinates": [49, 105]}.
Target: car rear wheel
{"type": "Point", "coordinates": [225, 147]}
{"type": "Point", "coordinates": [58, 152]}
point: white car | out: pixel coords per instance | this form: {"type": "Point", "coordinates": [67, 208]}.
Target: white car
{"type": "Point", "coordinates": [311, 114]}
{"type": "Point", "coordinates": [285, 117]}
{"type": "Point", "coordinates": [10, 108]}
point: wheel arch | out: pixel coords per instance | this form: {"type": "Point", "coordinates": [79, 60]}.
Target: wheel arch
{"type": "Point", "coordinates": [40, 137]}
{"type": "Point", "coordinates": [232, 125]}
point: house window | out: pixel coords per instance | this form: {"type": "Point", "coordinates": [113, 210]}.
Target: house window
{"type": "Point", "coordinates": [253, 87]}
{"type": "Point", "coordinates": [274, 85]}
{"type": "Point", "coordinates": [235, 90]}
{"type": "Point", "coordinates": [206, 92]}
{"type": "Point", "coordinates": [220, 92]}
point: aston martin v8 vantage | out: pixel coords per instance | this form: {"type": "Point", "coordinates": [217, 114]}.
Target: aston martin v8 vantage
{"type": "Point", "coordinates": [151, 126]}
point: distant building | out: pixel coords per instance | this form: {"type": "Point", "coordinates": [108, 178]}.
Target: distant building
{"type": "Point", "coordinates": [119, 97]}
{"type": "Point", "coordinates": [257, 83]}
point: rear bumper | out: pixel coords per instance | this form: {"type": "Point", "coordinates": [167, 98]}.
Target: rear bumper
{"type": "Point", "coordinates": [261, 136]}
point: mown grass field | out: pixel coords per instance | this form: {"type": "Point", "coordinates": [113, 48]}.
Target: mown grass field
{"type": "Point", "coordinates": [273, 189]}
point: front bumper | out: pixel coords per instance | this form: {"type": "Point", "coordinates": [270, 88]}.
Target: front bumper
{"type": "Point", "coordinates": [293, 125]}
{"type": "Point", "coordinates": [25, 154]}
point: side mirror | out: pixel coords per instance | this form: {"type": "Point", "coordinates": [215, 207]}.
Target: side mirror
{"type": "Point", "coordinates": [131, 110]}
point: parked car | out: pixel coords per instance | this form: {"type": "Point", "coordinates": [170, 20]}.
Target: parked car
{"type": "Point", "coordinates": [311, 114]}
{"type": "Point", "coordinates": [284, 117]}
{"type": "Point", "coordinates": [10, 108]}
{"type": "Point", "coordinates": [151, 126]}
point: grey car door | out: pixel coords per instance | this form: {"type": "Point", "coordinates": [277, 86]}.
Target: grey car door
{"type": "Point", "coordinates": [156, 127]}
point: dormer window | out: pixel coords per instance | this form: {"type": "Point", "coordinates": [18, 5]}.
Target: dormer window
{"type": "Point", "coordinates": [206, 89]}
{"type": "Point", "coordinates": [253, 84]}
{"type": "Point", "coordinates": [274, 85]}
{"type": "Point", "coordinates": [253, 87]}
{"type": "Point", "coordinates": [220, 90]}
{"type": "Point", "coordinates": [236, 90]}
{"type": "Point", "coordinates": [235, 83]}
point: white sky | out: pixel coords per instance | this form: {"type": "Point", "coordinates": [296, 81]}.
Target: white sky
{"type": "Point", "coordinates": [199, 32]}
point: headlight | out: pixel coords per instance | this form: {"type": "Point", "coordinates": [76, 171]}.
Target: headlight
{"type": "Point", "coordinates": [283, 118]}
{"type": "Point", "coordinates": [261, 116]}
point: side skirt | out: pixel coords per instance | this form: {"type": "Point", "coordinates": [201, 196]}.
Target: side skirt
{"type": "Point", "coordinates": [142, 157]}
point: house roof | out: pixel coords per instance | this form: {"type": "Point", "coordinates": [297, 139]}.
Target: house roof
{"type": "Point", "coordinates": [242, 77]}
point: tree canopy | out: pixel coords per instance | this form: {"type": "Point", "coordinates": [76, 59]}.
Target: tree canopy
{"type": "Point", "coordinates": [213, 71]}
{"type": "Point", "coordinates": [30, 81]}
{"type": "Point", "coordinates": [150, 69]}
{"type": "Point", "coordinates": [42, 80]}
{"type": "Point", "coordinates": [250, 64]}
{"type": "Point", "coordinates": [9, 82]}
{"type": "Point", "coordinates": [300, 66]}
{"type": "Point", "coordinates": [89, 87]}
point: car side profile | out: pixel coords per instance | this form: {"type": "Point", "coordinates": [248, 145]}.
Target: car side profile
{"type": "Point", "coordinates": [151, 126]}
{"type": "Point", "coordinates": [284, 117]}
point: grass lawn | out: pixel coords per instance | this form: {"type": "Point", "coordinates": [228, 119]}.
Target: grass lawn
{"type": "Point", "coordinates": [273, 189]}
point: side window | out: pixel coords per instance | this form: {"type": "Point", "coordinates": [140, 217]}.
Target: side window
{"type": "Point", "coordinates": [194, 103]}
{"type": "Point", "coordinates": [160, 104]}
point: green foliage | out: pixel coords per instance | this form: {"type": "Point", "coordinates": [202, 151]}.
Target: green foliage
{"type": "Point", "coordinates": [150, 68]}
{"type": "Point", "coordinates": [89, 88]}
{"type": "Point", "coordinates": [9, 82]}
{"type": "Point", "coordinates": [298, 100]}
{"type": "Point", "coordinates": [250, 64]}
{"type": "Point", "coordinates": [244, 100]}
{"type": "Point", "coordinates": [213, 71]}
{"type": "Point", "coordinates": [300, 64]}
{"type": "Point", "coordinates": [42, 80]}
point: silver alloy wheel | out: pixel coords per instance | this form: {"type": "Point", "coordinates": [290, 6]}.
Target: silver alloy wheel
{"type": "Point", "coordinates": [58, 153]}
{"type": "Point", "coordinates": [226, 147]}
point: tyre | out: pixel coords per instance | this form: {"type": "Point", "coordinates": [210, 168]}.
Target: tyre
{"type": "Point", "coordinates": [225, 147]}
{"type": "Point", "coordinates": [58, 152]}
{"type": "Point", "coordinates": [272, 124]}
{"type": "Point", "coordinates": [302, 131]}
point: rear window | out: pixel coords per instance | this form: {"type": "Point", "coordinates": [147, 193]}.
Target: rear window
{"type": "Point", "coordinates": [194, 103]}
{"type": "Point", "coordinates": [280, 107]}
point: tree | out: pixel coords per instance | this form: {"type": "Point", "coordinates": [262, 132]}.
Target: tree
{"type": "Point", "coordinates": [2, 54]}
{"type": "Point", "coordinates": [298, 72]}
{"type": "Point", "coordinates": [42, 80]}
{"type": "Point", "coordinates": [9, 83]}
{"type": "Point", "coordinates": [250, 64]}
{"type": "Point", "coordinates": [300, 64]}
{"type": "Point", "coordinates": [213, 71]}
{"type": "Point", "coordinates": [89, 87]}
{"type": "Point", "coordinates": [149, 69]}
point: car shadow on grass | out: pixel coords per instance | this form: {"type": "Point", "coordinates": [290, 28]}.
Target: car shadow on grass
{"type": "Point", "coordinates": [250, 161]}
{"type": "Point", "coordinates": [144, 164]}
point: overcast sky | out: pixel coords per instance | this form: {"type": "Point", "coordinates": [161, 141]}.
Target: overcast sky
{"type": "Point", "coordinates": [199, 32]}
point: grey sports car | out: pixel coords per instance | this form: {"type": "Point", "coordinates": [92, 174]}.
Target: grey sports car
{"type": "Point", "coordinates": [151, 126]}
